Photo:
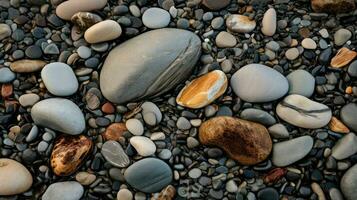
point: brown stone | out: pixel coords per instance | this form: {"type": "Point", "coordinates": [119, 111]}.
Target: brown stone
{"type": "Point", "coordinates": [336, 125]}
{"type": "Point", "coordinates": [215, 4]}
{"type": "Point", "coordinates": [27, 66]}
{"type": "Point", "coordinates": [343, 57]}
{"type": "Point", "coordinates": [108, 108]}
{"type": "Point", "coordinates": [85, 20]}
{"type": "Point", "coordinates": [6, 90]}
{"type": "Point", "coordinates": [274, 175]}
{"type": "Point", "coordinates": [69, 152]}
{"type": "Point", "coordinates": [114, 131]}
{"type": "Point", "coordinates": [247, 142]}
{"type": "Point", "coordinates": [168, 193]}
{"type": "Point", "coordinates": [333, 6]}
{"type": "Point", "coordinates": [203, 90]}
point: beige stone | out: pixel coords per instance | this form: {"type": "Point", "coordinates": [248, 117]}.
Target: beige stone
{"type": "Point", "coordinates": [68, 8]}
{"type": "Point", "coordinates": [27, 66]}
{"type": "Point", "coordinates": [240, 23]}
{"type": "Point", "coordinates": [225, 40]}
{"type": "Point", "coordinates": [269, 22]}
{"type": "Point", "coordinates": [103, 31]}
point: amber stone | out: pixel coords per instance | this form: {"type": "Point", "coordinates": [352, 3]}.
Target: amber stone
{"type": "Point", "coordinates": [27, 66]}
{"type": "Point", "coordinates": [114, 131]}
{"type": "Point", "coordinates": [343, 57]}
{"type": "Point", "coordinates": [168, 193]}
{"type": "Point", "coordinates": [333, 6]}
{"type": "Point", "coordinates": [6, 90]}
{"type": "Point", "coordinates": [68, 153]}
{"type": "Point", "coordinates": [247, 142]}
{"type": "Point", "coordinates": [336, 125]}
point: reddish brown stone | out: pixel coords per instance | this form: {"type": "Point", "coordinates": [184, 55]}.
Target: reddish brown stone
{"type": "Point", "coordinates": [108, 108]}
{"type": "Point", "coordinates": [68, 153]}
{"type": "Point", "coordinates": [168, 193]}
{"type": "Point", "coordinates": [247, 142]}
{"type": "Point", "coordinates": [333, 6]}
{"type": "Point", "coordinates": [274, 175]}
{"type": "Point", "coordinates": [114, 131]}
{"type": "Point", "coordinates": [343, 57]}
{"type": "Point", "coordinates": [6, 90]}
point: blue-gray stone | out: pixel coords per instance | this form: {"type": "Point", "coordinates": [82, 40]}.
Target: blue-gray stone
{"type": "Point", "coordinates": [259, 116]}
{"type": "Point", "coordinates": [301, 82]}
{"type": "Point", "coordinates": [6, 75]}
{"type": "Point", "coordinates": [349, 183]}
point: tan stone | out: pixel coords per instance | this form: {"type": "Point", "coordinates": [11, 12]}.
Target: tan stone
{"type": "Point", "coordinates": [333, 6]}
{"type": "Point", "coordinates": [240, 23]}
{"type": "Point", "coordinates": [114, 131]}
{"type": "Point", "coordinates": [168, 193]}
{"type": "Point", "coordinates": [27, 66]}
{"type": "Point", "coordinates": [247, 142]}
{"type": "Point", "coordinates": [69, 153]}
{"type": "Point", "coordinates": [85, 178]}
{"type": "Point", "coordinates": [343, 57]}
{"type": "Point", "coordinates": [85, 20]}
{"type": "Point", "coordinates": [269, 22]}
{"type": "Point", "coordinates": [203, 90]}
{"type": "Point", "coordinates": [103, 31]}
{"type": "Point", "coordinates": [68, 8]}
{"type": "Point", "coordinates": [337, 126]}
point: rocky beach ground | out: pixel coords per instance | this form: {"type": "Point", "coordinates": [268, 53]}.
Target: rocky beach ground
{"type": "Point", "coordinates": [178, 99]}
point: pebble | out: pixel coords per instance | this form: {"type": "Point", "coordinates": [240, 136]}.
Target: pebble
{"type": "Point", "coordinates": [278, 131]}
{"type": "Point", "coordinates": [84, 20]}
{"type": "Point", "coordinates": [85, 178]}
{"type": "Point", "coordinates": [183, 123]}
{"type": "Point", "coordinates": [259, 116]}
{"type": "Point", "coordinates": [247, 142]}
{"type": "Point", "coordinates": [138, 177]}
{"type": "Point", "coordinates": [156, 18]}
{"type": "Point", "coordinates": [259, 83]}
{"type": "Point", "coordinates": [116, 80]}
{"type": "Point", "coordinates": [113, 152]}
{"type": "Point", "coordinates": [301, 82]}
{"type": "Point", "coordinates": [345, 147]}
{"type": "Point", "coordinates": [308, 43]}
{"type": "Point", "coordinates": [27, 66]}
{"type": "Point", "coordinates": [352, 69]}
{"type": "Point", "coordinates": [67, 190]}
{"type": "Point", "coordinates": [103, 31]}
{"type": "Point", "coordinates": [59, 79]}
{"type": "Point", "coordinates": [348, 115]}
{"type": "Point", "coordinates": [124, 194]}
{"type": "Point", "coordinates": [165, 154]}
{"type": "Point", "coordinates": [134, 126]}
{"type": "Point", "coordinates": [292, 53]}
{"type": "Point", "coordinates": [225, 40]}
{"type": "Point", "coordinates": [349, 183]}
{"type": "Point", "coordinates": [203, 90]}
{"type": "Point", "coordinates": [151, 113]}
{"type": "Point", "coordinates": [343, 57]}
{"type": "Point", "coordinates": [192, 142]}
{"type": "Point", "coordinates": [342, 36]}
{"type": "Point", "coordinates": [114, 131]}
{"type": "Point", "coordinates": [32, 134]}
{"type": "Point", "coordinates": [6, 75]}
{"type": "Point", "coordinates": [215, 5]}
{"type": "Point", "coordinates": [51, 49]}
{"type": "Point", "coordinates": [338, 6]}
{"type": "Point", "coordinates": [335, 194]}
{"type": "Point", "coordinates": [303, 112]}
{"type": "Point", "coordinates": [143, 145]}
{"type": "Point", "coordinates": [231, 186]}
{"type": "Point", "coordinates": [27, 100]}
{"type": "Point", "coordinates": [268, 193]}
{"type": "Point", "coordinates": [291, 151]}
{"type": "Point", "coordinates": [59, 114]}
{"type": "Point", "coordinates": [14, 177]}
{"type": "Point", "coordinates": [68, 8]}
{"type": "Point", "coordinates": [269, 22]}
{"type": "Point", "coordinates": [240, 24]}
{"type": "Point", "coordinates": [84, 52]}
{"type": "Point", "coordinates": [5, 31]}
{"type": "Point", "coordinates": [195, 173]}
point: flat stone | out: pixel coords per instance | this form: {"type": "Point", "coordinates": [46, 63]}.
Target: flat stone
{"type": "Point", "coordinates": [240, 24]}
{"type": "Point", "coordinates": [134, 126]}
{"type": "Point", "coordinates": [27, 66]}
{"type": "Point", "coordinates": [26, 100]}
{"type": "Point", "coordinates": [247, 142]}
{"type": "Point", "coordinates": [225, 40]}
{"type": "Point", "coordinates": [301, 82]}
{"type": "Point", "coordinates": [156, 18]}
{"type": "Point", "coordinates": [143, 145]}
{"type": "Point", "coordinates": [68, 190]}
{"type": "Point", "coordinates": [352, 69]}
{"type": "Point", "coordinates": [151, 109]}
{"type": "Point", "coordinates": [349, 183]}
{"type": "Point", "coordinates": [259, 83]}
{"type": "Point", "coordinates": [345, 147]}
{"type": "Point", "coordinates": [333, 6]}
{"type": "Point", "coordinates": [148, 175]}
{"type": "Point", "coordinates": [308, 43]}
{"type": "Point", "coordinates": [113, 152]}
{"type": "Point", "coordinates": [124, 194]}
{"type": "Point", "coordinates": [14, 177]}
{"type": "Point", "coordinates": [343, 57]}
{"type": "Point", "coordinates": [60, 115]}
{"type": "Point", "coordinates": [259, 116]}
{"type": "Point", "coordinates": [278, 131]}
{"type": "Point", "coordinates": [291, 151]}
{"type": "Point", "coordinates": [165, 53]}
{"type": "Point", "coordinates": [84, 52]}
{"type": "Point", "coordinates": [269, 22]}
{"type": "Point", "coordinates": [292, 53]}
{"type": "Point", "coordinates": [337, 126]}
{"type": "Point", "coordinates": [6, 75]}
{"type": "Point", "coordinates": [348, 115]}
{"type": "Point", "coordinates": [103, 31]}
{"type": "Point", "coordinates": [5, 31]}
{"type": "Point", "coordinates": [203, 90]}
{"type": "Point", "coordinates": [183, 123]}
{"type": "Point", "coordinates": [268, 193]}
{"type": "Point", "coordinates": [68, 8]}
{"type": "Point", "coordinates": [215, 5]}
{"type": "Point", "coordinates": [303, 112]}
{"type": "Point", "coordinates": [59, 79]}
{"type": "Point", "coordinates": [342, 36]}
{"type": "Point", "coordinates": [114, 131]}
{"type": "Point", "coordinates": [85, 178]}
{"type": "Point", "coordinates": [69, 152]}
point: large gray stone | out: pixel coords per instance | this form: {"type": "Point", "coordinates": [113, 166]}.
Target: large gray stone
{"type": "Point", "coordinates": [149, 64]}
{"type": "Point", "coordinates": [349, 115]}
{"type": "Point", "coordinates": [301, 82]}
{"type": "Point", "coordinates": [349, 183]}
{"type": "Point", "coordinates": [148, 175]}
{"type": "Point", "coordinates": [345, 147]}
{"type": "Point", "coordinates": [59, 114]}
{"type": "Point", "coordinates": [68, 190]}
{"type": "Point", "coordinates": [259, 83]}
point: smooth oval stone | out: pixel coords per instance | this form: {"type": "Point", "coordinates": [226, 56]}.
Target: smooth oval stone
{"type": "Point", "coordinates": [303, 112]}
{"type": "Point", "coordinates": [348, 115]}
{"type": "Point", "coordinates": [259, 83]}
{"type": "Point", "coordinates": [342, 36]}
{"type": "Point", "coordinates": [345, 147]}
{"type": "Point", "coordinates": [240, 23]}
{"type": "Point", "coordinates": [259, 116]}
{"type": "Point", "coordinates": [225, 40]}
{"type": "Point", "coordinates": [301, 82]}
{"type": "Point", "coordinates": [215, 5]}
{"type": "Point", "coordinates": [352, 69]}
{"type": "Point", "coordinates": [349, 183]}
{"type": "Point", "coordinates": [143, 145]}
{"type": "Point", "coordinates": [85, 178]}
{"type": "Point", "coordinates": [134, 126]}
{"type": "Point", "coordinates": [156, 18]}
{"type": "Point", "coordinates": [148, 175]}
{"type": "Point", "coordinates": [103, 31]}
{"type": "Point", "coordinates": [290, 151]}
{"type": "Point", "coordinates": [162, 59]}
{"type": "Point", "coordinates": [278, 131]}
{"type": "Point", "coordinates": [5, 31]}
{"type": "Point", "coordinates": [68, 153]}
{"type": "Point", "coordinates": [149, 107]}
{"type": "Point", "coordinates": [6, 75]}
{"type": "Point", "coordinates": [247, 142]}
{"type": "Point", "coordinates": [85, 20]}
{"type": "Point", "coordinates": [203, 90]}
{"type": "Point", "coordinates": [68, 8]}
{"type": "Point", "coordinates": [68, 190]}
{"type": "Point", "coordinates": [14, 177]}
{"type": "Point", "coordinates": [59, 79]}
{"type": "Point", "coordinates": [27, 66]}
{"type": "Point", "coordinates": [115, 154]}
{"type": "Point", "coordinates": [269, 22]}
{"type": "Point", "coordinates": [59, 114]}
{"type": "Point", "coordinates": [28, 99]}
{"type": "Point", "coordinates": [308, 43]}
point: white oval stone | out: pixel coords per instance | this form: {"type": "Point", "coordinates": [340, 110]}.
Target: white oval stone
{"type": "Point", "coordinates": [68, 8]}
{"type": "Point", "coordinates": [156, 18]}
{"type": "Point", "coordinates": [134, 126]}
{"type": "Point", "coordinates": [269, 22]}
{"type": "Point", "coordinates": [308, 43]}
{"type": "Point", "coordinates": [240, 24]}
{"type": "Point", "coordinates": [143, 145]}
{"type": "Point", "coordinates": [103, 31]}
{"type": "Point", "coordinates": [14, 177]}
{"type": "Point", "coordinates": [59, 114]}
{"type": "Point", "coordinates": [68, 190]}
{"type": "Point", "coordinates": [59, 79]}
{"type": "Point", "coordinates": [303, 112]}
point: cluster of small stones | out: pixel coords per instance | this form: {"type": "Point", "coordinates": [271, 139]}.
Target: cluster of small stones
{"type": "Point", "coordinates": [173, 99]}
